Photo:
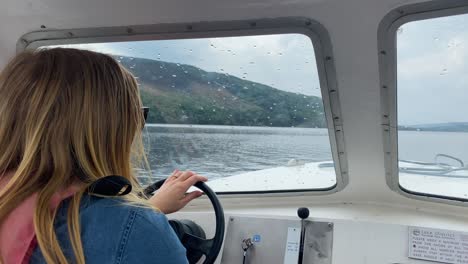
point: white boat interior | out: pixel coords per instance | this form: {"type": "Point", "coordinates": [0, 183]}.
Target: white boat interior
{"type": "Point", "coordinates": [379, 161]}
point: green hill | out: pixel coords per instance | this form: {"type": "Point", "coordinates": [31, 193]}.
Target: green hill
{"type": "Point", "coordinates": [439, 127]}
{"type": "Point", "coordinates": [184, 94]}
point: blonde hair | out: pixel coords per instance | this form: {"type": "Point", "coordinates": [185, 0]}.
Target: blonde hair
{"type": "Point", "coordinates": [67, 117]}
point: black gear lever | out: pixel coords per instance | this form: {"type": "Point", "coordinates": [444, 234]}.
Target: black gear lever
{"type": "Point", "coordinates": [303, 213]}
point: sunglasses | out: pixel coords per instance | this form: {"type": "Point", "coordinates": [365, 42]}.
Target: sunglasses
{"type": "Point", "coordinates": [145, 111]}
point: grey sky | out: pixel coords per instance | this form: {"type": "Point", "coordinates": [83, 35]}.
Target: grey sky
{"type": "Point", "coordinates": [286, 62]}
{"type": "Point", "coordinates": [432, 64]}
{"type": "Point", "coordinates": [433, 71]}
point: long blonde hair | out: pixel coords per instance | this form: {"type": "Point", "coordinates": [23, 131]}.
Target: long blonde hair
{"type": "Point", "coordinates": [67, 117]}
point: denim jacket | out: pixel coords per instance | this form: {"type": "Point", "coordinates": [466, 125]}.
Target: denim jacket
{"type": "Point", "coordinates": [115, 232]}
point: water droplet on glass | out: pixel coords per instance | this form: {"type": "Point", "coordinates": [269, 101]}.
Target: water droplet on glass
{"type": "Point", "coordinates": [246, 88]}
{"type": "Point", "coordinates": [185, 71]}
{"type": "Point", "coordinates": [251, 62]}
{"type": "Point", "coordinates": [221, 70]}
{"type": "Point", "coordinates": [173, 75]}
{"type": "Point", "coordinates": [281, 54]}
{"type": "Point", "coordinates": [190, 50]}
{"type": "Point", "coordinates": [214, 110]}
{"type": "Point", "coordinates": [131, 58]}
{"type": "Point", "coordinates": [178, 65]}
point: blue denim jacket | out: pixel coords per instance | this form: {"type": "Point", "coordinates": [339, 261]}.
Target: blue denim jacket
{"type": "Point", "coordinates": [115, 232]}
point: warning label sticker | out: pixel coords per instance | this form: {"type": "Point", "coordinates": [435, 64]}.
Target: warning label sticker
{"type": "Point", "coordinates": [438, 245]}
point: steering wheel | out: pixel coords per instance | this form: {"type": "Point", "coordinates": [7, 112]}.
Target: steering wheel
{"type": "Point", "coordinates": [191, 235]}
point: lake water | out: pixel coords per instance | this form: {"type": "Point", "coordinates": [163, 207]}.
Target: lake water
{"type": "Point", "coordinates": [220, 151]}
{"type": "Point", "coordinates": [414, 145]}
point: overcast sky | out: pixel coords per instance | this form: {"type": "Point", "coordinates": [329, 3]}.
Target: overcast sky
{"type": "Point", "coordinates": [433, 71]}
{"type": "Point", "coordinates": [286, 62]}
{"type": "Point", "coordinates": [432, 64]}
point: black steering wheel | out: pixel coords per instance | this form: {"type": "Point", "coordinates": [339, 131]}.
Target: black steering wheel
{"type": "Point", "coordinates": [191, 234]}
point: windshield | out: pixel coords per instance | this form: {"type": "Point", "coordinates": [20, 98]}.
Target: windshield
{"type": "Point", "coordinates": [432, 106]}
{"type": "Point", "coordinates": [246, 112]}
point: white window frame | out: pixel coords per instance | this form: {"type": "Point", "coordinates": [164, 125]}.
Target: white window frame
{"type": "Point", "coordinates": [387, 42]}
{"type": "Point", "coordinates": [314, 30]}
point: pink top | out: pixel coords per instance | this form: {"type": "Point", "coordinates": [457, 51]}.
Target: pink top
{"type": "Point", "coordinates": [17, 235]}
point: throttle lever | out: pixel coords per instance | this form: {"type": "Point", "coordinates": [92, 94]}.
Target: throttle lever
{"type": "Point", "coordinates": [303, 213]}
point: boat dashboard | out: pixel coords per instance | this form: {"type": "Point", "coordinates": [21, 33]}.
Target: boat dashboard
{"type": "Point", "coordinates": [355, 233]}
{"type": "Point", "coordinates": [322, 233]}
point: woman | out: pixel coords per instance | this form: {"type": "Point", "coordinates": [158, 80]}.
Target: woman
{"type": "Point", "coordinates": [68, 119]}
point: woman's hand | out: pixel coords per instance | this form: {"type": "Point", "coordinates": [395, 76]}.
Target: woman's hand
{"type": "Point", "coordinates": [173, 196]}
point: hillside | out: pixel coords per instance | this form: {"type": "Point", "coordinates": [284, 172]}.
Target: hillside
{"type": "Point", "coordinates": [442, 127]}
{"type": "Point", "coordinates": [184, 94]}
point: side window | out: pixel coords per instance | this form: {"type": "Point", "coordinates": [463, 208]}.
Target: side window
{"type": "Point", "coordinates": [246, 111]}
{"type": "Point", "coordinates": [432, 88]}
